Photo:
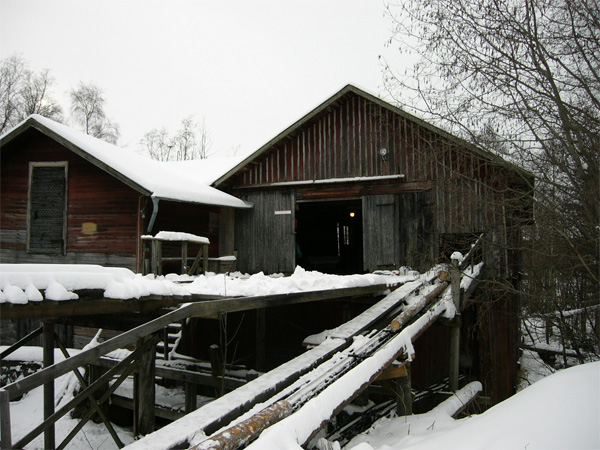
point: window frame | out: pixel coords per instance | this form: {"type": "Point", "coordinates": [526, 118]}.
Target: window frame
{"type": "Point", "coordinates": [32, 166]}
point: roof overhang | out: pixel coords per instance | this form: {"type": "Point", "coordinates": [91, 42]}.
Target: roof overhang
{"type": "Point", "coordinates": [32, 123]}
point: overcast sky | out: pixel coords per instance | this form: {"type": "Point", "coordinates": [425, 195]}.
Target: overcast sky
{"type": "Point", "coordinates": [248, 68]}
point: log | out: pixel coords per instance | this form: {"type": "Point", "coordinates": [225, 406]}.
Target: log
{"type": "Point", "coordinates": [404, 317]}
{"type": "Point", "coordinates": [355, 373]}
{"type": "Point", "coordinates": [241, 433]}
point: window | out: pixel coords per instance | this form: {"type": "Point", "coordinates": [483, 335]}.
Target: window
{"type": "Point", "coordinates": [47, 208]}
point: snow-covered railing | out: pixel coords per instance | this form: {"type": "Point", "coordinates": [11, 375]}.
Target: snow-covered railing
{"type": "Point", "coordinates": [131, 362]}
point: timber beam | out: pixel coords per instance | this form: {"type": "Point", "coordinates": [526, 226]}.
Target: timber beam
{"type": "Point", "coordinates": [213, 305]}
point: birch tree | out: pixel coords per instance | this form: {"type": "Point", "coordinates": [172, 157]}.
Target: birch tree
{"type": "Point", "coordinates": [24, 92]}
{"type": "Point", "coordinates": [191, 141]}
{"type": "Point", "coordinates": [87, 110]}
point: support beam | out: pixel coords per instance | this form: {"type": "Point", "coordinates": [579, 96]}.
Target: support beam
{"type": "Point", "coordinates": [191, 391]}
{"type": "Point", "coordinates": [217, 366]}
{"type": "Point", "coordinates": [48, 360]}
{"type": "Point", "coordinates": [261, 339]}
{"type": "Point", "coordinates": [145, 389]}
{"type": "Point", "coordinates": [455, 330]}
{"type": "Point", "coordinates": [20, 343]}
{"type": "Point", "coordinates": [5, 433]}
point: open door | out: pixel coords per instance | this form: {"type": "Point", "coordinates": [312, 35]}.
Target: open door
{"type": "Point", "coordinates": [380, 232]}
{"type": "Point", "coordinates": [329, 236]}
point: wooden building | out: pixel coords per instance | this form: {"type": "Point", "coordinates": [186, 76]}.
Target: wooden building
{"type": "Point", "coordinates": [360, 185]}
{"type": "Point", "coordinates": [70, 198]}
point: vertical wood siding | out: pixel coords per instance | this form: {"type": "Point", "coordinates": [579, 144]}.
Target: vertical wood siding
{"type": "Point", "coordinates": [265, 240]}
{"type": "Point", "coordinates": [344, 142]}
{"type": "Point", "coordinates": [381, 232]}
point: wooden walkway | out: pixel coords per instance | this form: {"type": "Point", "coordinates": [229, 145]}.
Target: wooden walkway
{"type": "Point", "coordinates": [141, 360]}
{"type": "Point", "coordinates": [285, 390]}
{"type": "Point", "coordinates": [386, 330]}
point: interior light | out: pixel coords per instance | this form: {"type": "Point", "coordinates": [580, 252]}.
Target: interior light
{"type": "Point", "coordinates": [352, 214]}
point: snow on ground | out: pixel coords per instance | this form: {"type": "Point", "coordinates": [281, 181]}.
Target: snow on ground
{"type": "Point", "coordinates": [20, 283]}
{"type": "Point", "coordinates": [28, 412]}
{"type": "Point", "coordinates": [561, 411]}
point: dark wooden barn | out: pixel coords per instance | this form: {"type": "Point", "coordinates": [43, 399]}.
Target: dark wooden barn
{"type": "Point", "coordinates": [357, 185]}
{"type": "Point", "coordinates": [360, 185]}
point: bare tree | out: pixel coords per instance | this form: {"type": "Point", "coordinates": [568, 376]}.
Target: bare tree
{"type": "Point", "coordinates": [191, 141]}
{"type": "Point", "coordinates": [523, 76]}
{"type": "Point", "coordinates": [87, 109]}
{"type": "Point", "coordinates": [24, 92]}
{"type": "Point", "coordinates": [158, 144]}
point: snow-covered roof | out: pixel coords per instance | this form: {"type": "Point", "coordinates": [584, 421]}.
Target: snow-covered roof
{"type": "Point", "coordinates": [185, 181]}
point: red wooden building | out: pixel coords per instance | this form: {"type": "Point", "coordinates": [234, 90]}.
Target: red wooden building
{"type": "Point", "coordinates": [70, 198]}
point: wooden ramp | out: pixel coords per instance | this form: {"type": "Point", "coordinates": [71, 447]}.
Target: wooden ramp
{"type": "Point", "coordinates": [326, 377]}
{"type": "Point", "coordinates": [140, 361]}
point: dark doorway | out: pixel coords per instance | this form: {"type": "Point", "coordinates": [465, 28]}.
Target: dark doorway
{"type": "Point", "coordinates": [329, 236]}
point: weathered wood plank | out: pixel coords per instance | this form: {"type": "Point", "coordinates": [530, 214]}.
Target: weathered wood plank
{"type": "Point", "coordinates": [20, 342]}
{"type": "Point", "coordinates": [144, 387]}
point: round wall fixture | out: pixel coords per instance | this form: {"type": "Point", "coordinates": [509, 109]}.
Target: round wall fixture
{"type": "Point", "coordinates": [383, 151]}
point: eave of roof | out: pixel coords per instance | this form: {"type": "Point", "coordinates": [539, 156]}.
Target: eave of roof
{"type": "Point", "coordinates": [126, 166]}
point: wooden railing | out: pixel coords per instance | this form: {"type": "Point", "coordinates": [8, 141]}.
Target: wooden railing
{"type": "Point", "coordinates": [142, 360]}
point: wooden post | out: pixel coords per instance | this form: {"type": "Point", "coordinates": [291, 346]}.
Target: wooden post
{"type": "Point", "coordinates": [455, 330]}
{"type": "Point", "coordinates": [184, 257]}
{"type": "Point", "coordinates": [217, 366]}
{"type": "Point", "coordinates": [156, 257]}
{"type": "Point", "coordinates": [205, 262]}
{"type": "Point", "coordinates": [5, 435]}
{"type": "Point", "coordinates": [404, 394]}
{"type": "Point", "coordinates": [48, 359]}
{"type": "Point", "coordinates": [165, 333]}
{"type": "Point", "coordinates": [144, 390]}
{"type": "Point", "coordinates": [261, 339]}
{"type": "Point", "coordinates": [191, 390]}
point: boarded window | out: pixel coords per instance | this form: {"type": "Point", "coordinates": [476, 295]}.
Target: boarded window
{"type": "Point", "coordinates": [47, 208]}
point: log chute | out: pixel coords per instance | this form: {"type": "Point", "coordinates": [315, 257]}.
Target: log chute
{"type": "Point", "coordinates": [301, 410]}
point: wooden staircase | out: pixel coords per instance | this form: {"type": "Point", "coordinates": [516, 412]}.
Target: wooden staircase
{"type": "Point", "coordinates": [170, 340]}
